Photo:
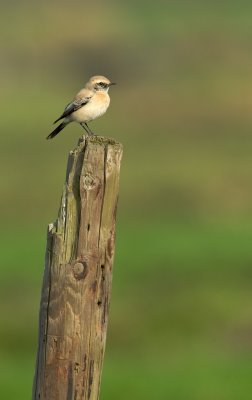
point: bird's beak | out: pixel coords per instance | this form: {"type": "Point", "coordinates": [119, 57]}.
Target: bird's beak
{"type": "Point", "coordinates": [112, 83]}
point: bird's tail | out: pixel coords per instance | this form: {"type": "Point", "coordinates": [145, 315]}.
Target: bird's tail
{"type": "Point", "coordinates": [57, 130]}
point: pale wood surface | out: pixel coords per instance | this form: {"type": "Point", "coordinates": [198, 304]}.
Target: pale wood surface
{"type": "Point", "coordinates": [78, 274]}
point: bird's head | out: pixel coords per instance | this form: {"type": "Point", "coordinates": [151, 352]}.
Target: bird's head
{"type": "Point", "coordinates": [99, 83]}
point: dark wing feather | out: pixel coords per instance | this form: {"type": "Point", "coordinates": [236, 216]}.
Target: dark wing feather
{"type": "Point", "coordinates": [73, 106]}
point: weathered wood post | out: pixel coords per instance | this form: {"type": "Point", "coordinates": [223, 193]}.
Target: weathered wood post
{"type": "Point", "coordinates": [78, 273]}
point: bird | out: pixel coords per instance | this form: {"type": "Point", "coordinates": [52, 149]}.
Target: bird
{"type": "Point", "coordinates": [89, 103]}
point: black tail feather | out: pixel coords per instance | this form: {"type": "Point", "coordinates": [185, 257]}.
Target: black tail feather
{"type": "Point", "coordinates": [57, 130]}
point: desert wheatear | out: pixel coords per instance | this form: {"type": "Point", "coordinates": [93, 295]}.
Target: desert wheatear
{"type": "Point", "coordinates": [89, 103]}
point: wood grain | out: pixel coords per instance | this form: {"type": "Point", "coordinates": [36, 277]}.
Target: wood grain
{"type": "Point", "coordinates": [78, 275]}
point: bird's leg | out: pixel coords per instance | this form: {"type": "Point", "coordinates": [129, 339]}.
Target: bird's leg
{"type": "Point", "coordinates": [84, 127]}
{"type": "Point", "coordinates": [89, 130]}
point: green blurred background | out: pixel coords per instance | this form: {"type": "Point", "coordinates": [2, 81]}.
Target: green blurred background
{"type": "Point", "coordinates": [180, 319]}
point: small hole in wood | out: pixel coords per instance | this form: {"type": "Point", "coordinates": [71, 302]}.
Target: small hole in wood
{"type": "Point", "coordinates": [88, 227]}
{"type": "Point", "coordinates": [102, 266]}
{"type": "Point", "coordinates": [99, 303]}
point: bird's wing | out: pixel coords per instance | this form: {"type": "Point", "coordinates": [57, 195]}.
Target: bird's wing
{"type": "Point", "coordinates": [79, 101]}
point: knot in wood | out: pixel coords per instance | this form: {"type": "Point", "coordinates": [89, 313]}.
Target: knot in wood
{"type": "Point", "coordinates": [79, 270]}
{"type": "Point", "coordinates": [88, 182]}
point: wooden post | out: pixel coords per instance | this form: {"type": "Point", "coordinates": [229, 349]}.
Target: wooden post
{"type": "Point", "coordinates": [78, 273]}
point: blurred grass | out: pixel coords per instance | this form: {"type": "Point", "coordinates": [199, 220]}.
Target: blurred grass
{"type": "Point", "coordinates": [180, 311]}
{"type": "Point", "coordinates": [180, 320]}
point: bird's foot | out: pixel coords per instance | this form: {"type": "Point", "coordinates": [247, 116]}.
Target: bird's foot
{"type": "Point", "coordinates": [87, 129]}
